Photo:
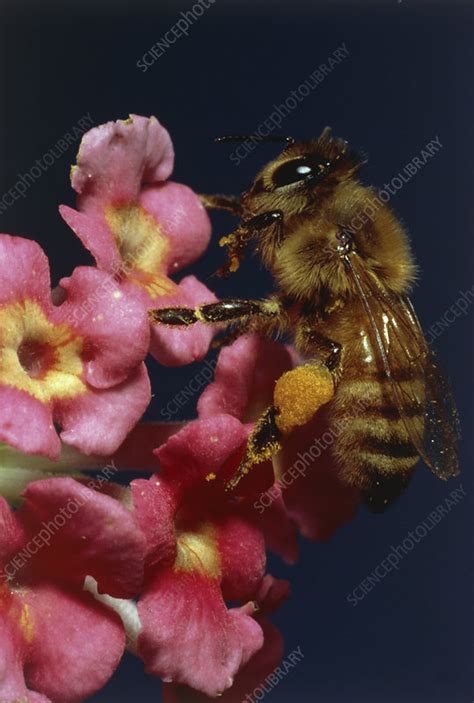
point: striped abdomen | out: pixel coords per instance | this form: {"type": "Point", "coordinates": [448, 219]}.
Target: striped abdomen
{"type": "Point", "coordinates": [373, 447]}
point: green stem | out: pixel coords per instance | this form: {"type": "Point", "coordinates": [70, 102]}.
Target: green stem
{"type": "Point", "coordinates": [69, 460]}
{"type": "Point", "coordinates": [17, 470]}
{"type": "Point", "coordinates": [14, 481]}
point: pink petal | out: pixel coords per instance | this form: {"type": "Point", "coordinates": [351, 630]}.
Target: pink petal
{"type": "Point", "coordinates": [11, 537]}
{"type": "Point", "coordinates": [83, 533]}
{"type": "Point", "coordinates": [27, 424]}
{"type": "Point", "coordinates": [113, 321]}
{"type": "Point", "coordinates": [242, 550]}
{"type": "Point", "coordinates": [188, 635]}
{"type": "Point", "coordinates": [271, 594]}
{"type": "Point", "coordinates": [245, 378]}
{"type": "Point", "coordinates": [137, 450]}
{"type": "Point", "coordinates": [277, 526]}
{"type": "Point", "coordinates": [315, 497]}
{"type": "Point", "coordinates": [174, 346]}
{"type": "Point", "coordinates": [201, 448]}
{"type": "Point", "coordinates": [25, 271]}
{"type": "Point", "coordinates": [77, 643]}
{"type": "Point", "coordinates": [155, 503]}
{"type": "Point", "coordinates": [95, 236]}
{"type": "Point", "coordinates": [98, 421]}
{"type": "Point", "coordinates": [249, 678]}
{"type": "Point", "coordinates": [183, 218]}
{"type": "Point", "coordinates": [117, 158]}
{"type": "Point", "coordinates": [12, 654]}
{"type": "Point", "coordinates": [36, 698]}
{"type": "Point", "coordinates": [260, 666]}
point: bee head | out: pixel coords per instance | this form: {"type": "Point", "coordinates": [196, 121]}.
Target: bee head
{"type": "Point", "coordinates": [302, 175]}
{"type": "Point", "coordinates": [297, 184]}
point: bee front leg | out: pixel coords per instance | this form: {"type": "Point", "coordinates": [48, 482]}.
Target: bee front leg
{"type": "Point", "coordinates": [237, 240]}
{"type": "Point", "coordinates": [230, 203]}
{"type": "Point", "coordinates": [225, 311]}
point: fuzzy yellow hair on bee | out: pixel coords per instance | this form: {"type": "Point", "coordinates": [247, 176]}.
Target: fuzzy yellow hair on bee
{"type": "Point", "coordinates": [342, 267]}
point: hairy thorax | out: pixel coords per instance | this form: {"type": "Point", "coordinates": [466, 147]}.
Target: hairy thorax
{"type": "Point", "coordinates": [307, 264]}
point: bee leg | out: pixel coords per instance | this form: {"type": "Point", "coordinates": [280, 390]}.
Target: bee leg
{"type": "Point", "coordinates": [262, 444]}
{"type": "Point", "coordinates": [228, 311]}
{"type": "Point", "coordinates": [324, 347]}
{"type": "Point", "coordinates": [264, 220]}
{"type": "Point", "coordinates": [230, 203]}
{"type": "Point", "coordinates": [298, 395]}
{"type": "Point", "coordinates": [229, 337]}
{"type": "Point", "coordinates": [236, 241]}
{"type": "Point", "coordinates": [264, 325]}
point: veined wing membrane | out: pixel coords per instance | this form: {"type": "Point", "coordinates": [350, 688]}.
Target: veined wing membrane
{"type": "Point", "coordinates": [399, 339]}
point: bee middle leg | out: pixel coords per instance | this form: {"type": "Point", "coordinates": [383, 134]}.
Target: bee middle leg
{"type": "Point", "coordinates": [231, 335]}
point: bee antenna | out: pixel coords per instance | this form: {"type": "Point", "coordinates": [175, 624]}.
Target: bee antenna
{"type": "Point", "coordinates": [326, 134]}
{"type": "Point", "coordinates": [255, 138]}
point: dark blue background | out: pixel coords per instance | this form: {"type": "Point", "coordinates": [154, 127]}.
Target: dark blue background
{"type": "Point", "coordinates": [406, 80]}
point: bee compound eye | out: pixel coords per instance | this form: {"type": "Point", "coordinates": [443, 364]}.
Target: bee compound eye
{"type": "Point", "coordinates": [292, 172]}
{"type": "Point", "coordinates": [305, 168]}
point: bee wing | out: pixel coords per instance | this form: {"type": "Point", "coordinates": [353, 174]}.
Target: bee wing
{"type": "Point", "coordinates": [399, 339]}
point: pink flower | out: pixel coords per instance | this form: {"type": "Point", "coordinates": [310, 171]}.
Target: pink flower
{"type": "Point", "coordinates": [245, 377]}
{"type": "Point", "coordinates": [78, 364]}
{"type": "Point", "coordinates": [260, 668]}
{"type": "Point", "coordinates": [56, 639]}
{"type": "Point", "coordinates": [308, 491]}
{"type": "Point", "coordinates": [140, 227]}
{"type": "Point", "coordinates": [202, 550]}
{"type": "Point", "coordinates": [254, 675]}
{"type": "Point", "coordinates": [12, 653]}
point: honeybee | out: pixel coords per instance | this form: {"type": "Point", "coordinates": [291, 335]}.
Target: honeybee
{"type": "Point", "coordinates": [342, 280]}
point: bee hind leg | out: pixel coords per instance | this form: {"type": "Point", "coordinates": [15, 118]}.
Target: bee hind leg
{"type": "Point", "coordinates": [298, 395]}
{"type": "Point", "coordinates": [264, 441]}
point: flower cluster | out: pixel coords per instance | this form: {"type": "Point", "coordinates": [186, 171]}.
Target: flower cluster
{"type": "Point", "coordinates": [172, 567]}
